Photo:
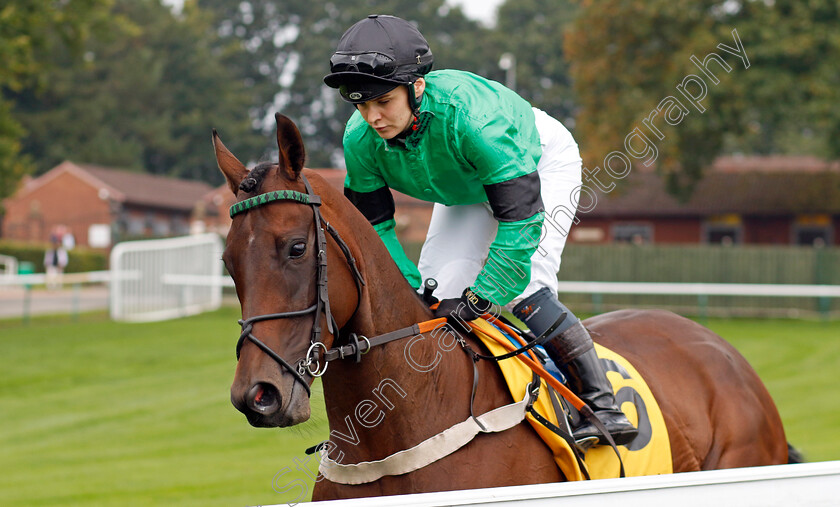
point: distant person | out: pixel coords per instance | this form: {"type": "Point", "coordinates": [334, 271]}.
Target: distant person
{"type": "Point", "coordinates": [55, 260]}
{"type": "Point", "coordinates": [493, 166]}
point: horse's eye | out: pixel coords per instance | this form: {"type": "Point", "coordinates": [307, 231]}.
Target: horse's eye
{"type": "Point", "coordinates": [297, 250]}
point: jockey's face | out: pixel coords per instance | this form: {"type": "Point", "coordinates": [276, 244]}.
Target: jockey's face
{"type": "Point", "coordinates": [390, 114]}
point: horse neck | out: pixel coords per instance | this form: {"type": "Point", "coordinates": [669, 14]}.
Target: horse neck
{"type": "Point", "coordinates": [390, 382]}
{"type": "Point", "coordinates": [388, 301]}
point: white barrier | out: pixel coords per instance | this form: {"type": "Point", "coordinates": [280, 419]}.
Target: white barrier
{"type": "Point", "coordinates": [811, 484]}
{"type": "Point", "coordinates": [10, 266]}
{"type": "Point", "coordinates": [66, 278]}
{"type": "Point", "coordinates": [142, 287]}
{"type": "Point", "coordinates": [702, 289]}
{"type": "Point", "coordinates": [690, 289]}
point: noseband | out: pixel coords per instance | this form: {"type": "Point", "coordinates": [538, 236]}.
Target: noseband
{"type": "Point", "coordinates": [311, 363]}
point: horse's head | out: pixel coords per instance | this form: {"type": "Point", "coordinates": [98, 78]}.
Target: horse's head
{"type": "Point", "coordinates": [276, 255]}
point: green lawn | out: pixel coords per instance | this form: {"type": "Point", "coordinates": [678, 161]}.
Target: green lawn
{"type": "Point", "coordinates": [99, 413]}
{"type": "Point", "coordinates": [799, 362]}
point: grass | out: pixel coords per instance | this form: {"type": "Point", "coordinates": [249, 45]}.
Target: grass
{"type": "Point", "coordinates": [798, 362]}
{"type": "Point", "coordinates": [100, 413]}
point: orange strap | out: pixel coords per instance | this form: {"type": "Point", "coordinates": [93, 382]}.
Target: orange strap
{"type": "Point", "coordinates": [504, 327]}
{"type": "Point", "coordinates": [531, 362]}
{"type": "Point", "coordinates": [429, 325]}
{"type": "Point", "coordinates": [537, 368]}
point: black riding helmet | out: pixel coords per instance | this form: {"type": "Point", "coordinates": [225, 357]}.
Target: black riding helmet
{"type": "Point", "coordinates": [377, 54]}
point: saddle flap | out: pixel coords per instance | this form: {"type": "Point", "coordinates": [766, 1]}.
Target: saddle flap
{"type": "Point", "coordinates": [648, 454]}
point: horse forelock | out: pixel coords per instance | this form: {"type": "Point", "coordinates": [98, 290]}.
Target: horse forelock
{"type": "Point", "coordinates": [253, 181]}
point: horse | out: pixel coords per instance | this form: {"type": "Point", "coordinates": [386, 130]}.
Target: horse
{"type": "Point", "coordinates": [295, 304]}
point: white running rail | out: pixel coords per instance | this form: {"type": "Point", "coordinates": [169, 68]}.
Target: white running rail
{"type": "Point", "coordinates": [144, 278]}
{"type": "Point", "coordinates": [702, 289]}
{"type": "Point", "coordinates": [811, 484]}
{"type": "Point", "coordinates": [9, 267]}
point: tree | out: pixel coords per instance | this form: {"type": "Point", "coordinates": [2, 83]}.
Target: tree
{"type": "Point", "coordinates": [145, 97]}
{"type": "Point", "coordinates": [533, 31]}
{"type": "Point", "coordinates": [29, 33]}
{"type": "Point", "coordinates": [628, 58]}
{"type": "Point", "coordinates": [289, 48]}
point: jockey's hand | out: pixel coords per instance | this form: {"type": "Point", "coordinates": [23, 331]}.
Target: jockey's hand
{"type": "Point", "coordinates": [459, 311]}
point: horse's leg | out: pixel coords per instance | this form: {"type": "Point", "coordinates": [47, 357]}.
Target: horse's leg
{"type": "Point", "coordinates": [748, 432]}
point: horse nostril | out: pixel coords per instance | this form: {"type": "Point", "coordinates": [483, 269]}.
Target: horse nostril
{"type": "Point", "coordinates": [263, 398]}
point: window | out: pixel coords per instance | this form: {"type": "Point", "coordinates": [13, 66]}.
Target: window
{"type": "Point", "coordinates": [160, 227]}
{"type": "Point", "coordinates": [136, 226]}
{"type": "Point", "coordinates": [180, 226]}
{"type": "Point", "coordinates": [811, 235]}
{"type": "Point", "coordinates": [723, 230]}
{"type": "Point", "coordinates": [635, 233]}
{"type": "Point", "coordinates": [587, 234]}
{"type": "Point", "coordinates": [814, 230]}
{"type": "Point", "coordinates": [723, 235]}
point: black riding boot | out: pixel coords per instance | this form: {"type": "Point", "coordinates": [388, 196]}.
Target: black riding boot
{"type": "Point", "coordinates": [570, 346]}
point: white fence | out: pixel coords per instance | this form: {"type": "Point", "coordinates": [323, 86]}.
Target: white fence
{"type": "Point", "coordinates": [145, 276]}
{"type": "Point", "coordinates": [811, 484]}
{"type": "Point", "coordinates": [702, 289]}
{"type": "Point", "coordinates": [8, 267]}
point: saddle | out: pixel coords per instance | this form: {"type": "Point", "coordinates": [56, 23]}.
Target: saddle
{"type": "Point", "coordinates": [648, 454]}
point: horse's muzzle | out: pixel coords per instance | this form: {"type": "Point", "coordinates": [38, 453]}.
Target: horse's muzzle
{"type": "Point", "coordinates": [264, 406]}
{"type": "Point", "coordinates": [263, 398]}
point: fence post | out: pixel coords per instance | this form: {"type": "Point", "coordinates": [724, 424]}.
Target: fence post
{"type": "Point", "coordinates": [597, 300]}
{"type": "Point", "coordinates": [77, 292]}
{"type": "Point", "coordinates": [27, 299]}
{"type": "Point", "coordinates": [822, 276]}
{"type": "Point", "coordinates": [824, 307]}
{"type": "Point", "coordinates": [26, 268]}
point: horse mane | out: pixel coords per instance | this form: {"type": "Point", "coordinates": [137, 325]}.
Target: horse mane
{"type": "Point", "coordinates": [255, 177]}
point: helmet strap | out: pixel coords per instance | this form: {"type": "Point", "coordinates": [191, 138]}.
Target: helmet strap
{"type": "Point", "coordinates": [413, 101]}
{"type": "Point", "coordinates": [414, 104]}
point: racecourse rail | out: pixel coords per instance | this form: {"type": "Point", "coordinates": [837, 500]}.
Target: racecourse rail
{"type": "Point", "coordinates": [215, 283]}
{"type": "Point", "coordinates": [690, 289]}
{"type": "Point", "coordinates": [811, 484]}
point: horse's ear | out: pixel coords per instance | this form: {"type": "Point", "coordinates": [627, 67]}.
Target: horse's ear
{"type": "Point", "coordinates": [231, 167]}
{"type": "Point", "coordinates": [292, 152]}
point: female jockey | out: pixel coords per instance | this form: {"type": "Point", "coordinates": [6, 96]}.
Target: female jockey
{"type": "Point", "coordinates": [492, 165]}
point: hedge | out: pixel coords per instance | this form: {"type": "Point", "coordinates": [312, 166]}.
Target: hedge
{"type": "Point", "coordinates": [80, 259]}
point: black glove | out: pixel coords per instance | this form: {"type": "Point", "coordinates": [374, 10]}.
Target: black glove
{"type": "Point", "coordinates": [459, 311]}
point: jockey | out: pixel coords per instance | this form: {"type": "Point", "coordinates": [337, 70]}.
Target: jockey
{"type": "Point", "coordinates": [492, 165]}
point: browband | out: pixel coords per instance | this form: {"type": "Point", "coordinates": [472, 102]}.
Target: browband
{"type": "Point", "coordinates": [277, 195]}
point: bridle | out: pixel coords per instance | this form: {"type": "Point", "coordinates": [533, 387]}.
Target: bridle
{"type": "Point", "coordinates": [311, 363]}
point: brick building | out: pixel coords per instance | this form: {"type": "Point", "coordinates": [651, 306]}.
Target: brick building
{"type": "Point", "coordinates": [779, 200]}
{"type": "Point", "coordinates": [100, 205]}
{"type": "Point", "coordinates": [412, 215]}
{"type": "Point", "coordinates": [776, 200]}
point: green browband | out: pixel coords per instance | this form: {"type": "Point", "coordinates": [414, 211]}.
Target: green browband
{"type": "Point", "coordinates": [277, 195]}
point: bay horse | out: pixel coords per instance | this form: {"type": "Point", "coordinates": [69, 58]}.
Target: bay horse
{"type": "Point", "coordinates": [717, 411]}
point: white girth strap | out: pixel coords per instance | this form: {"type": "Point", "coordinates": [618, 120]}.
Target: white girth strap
{"type": "Point", "coordinates": [428, 451]}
